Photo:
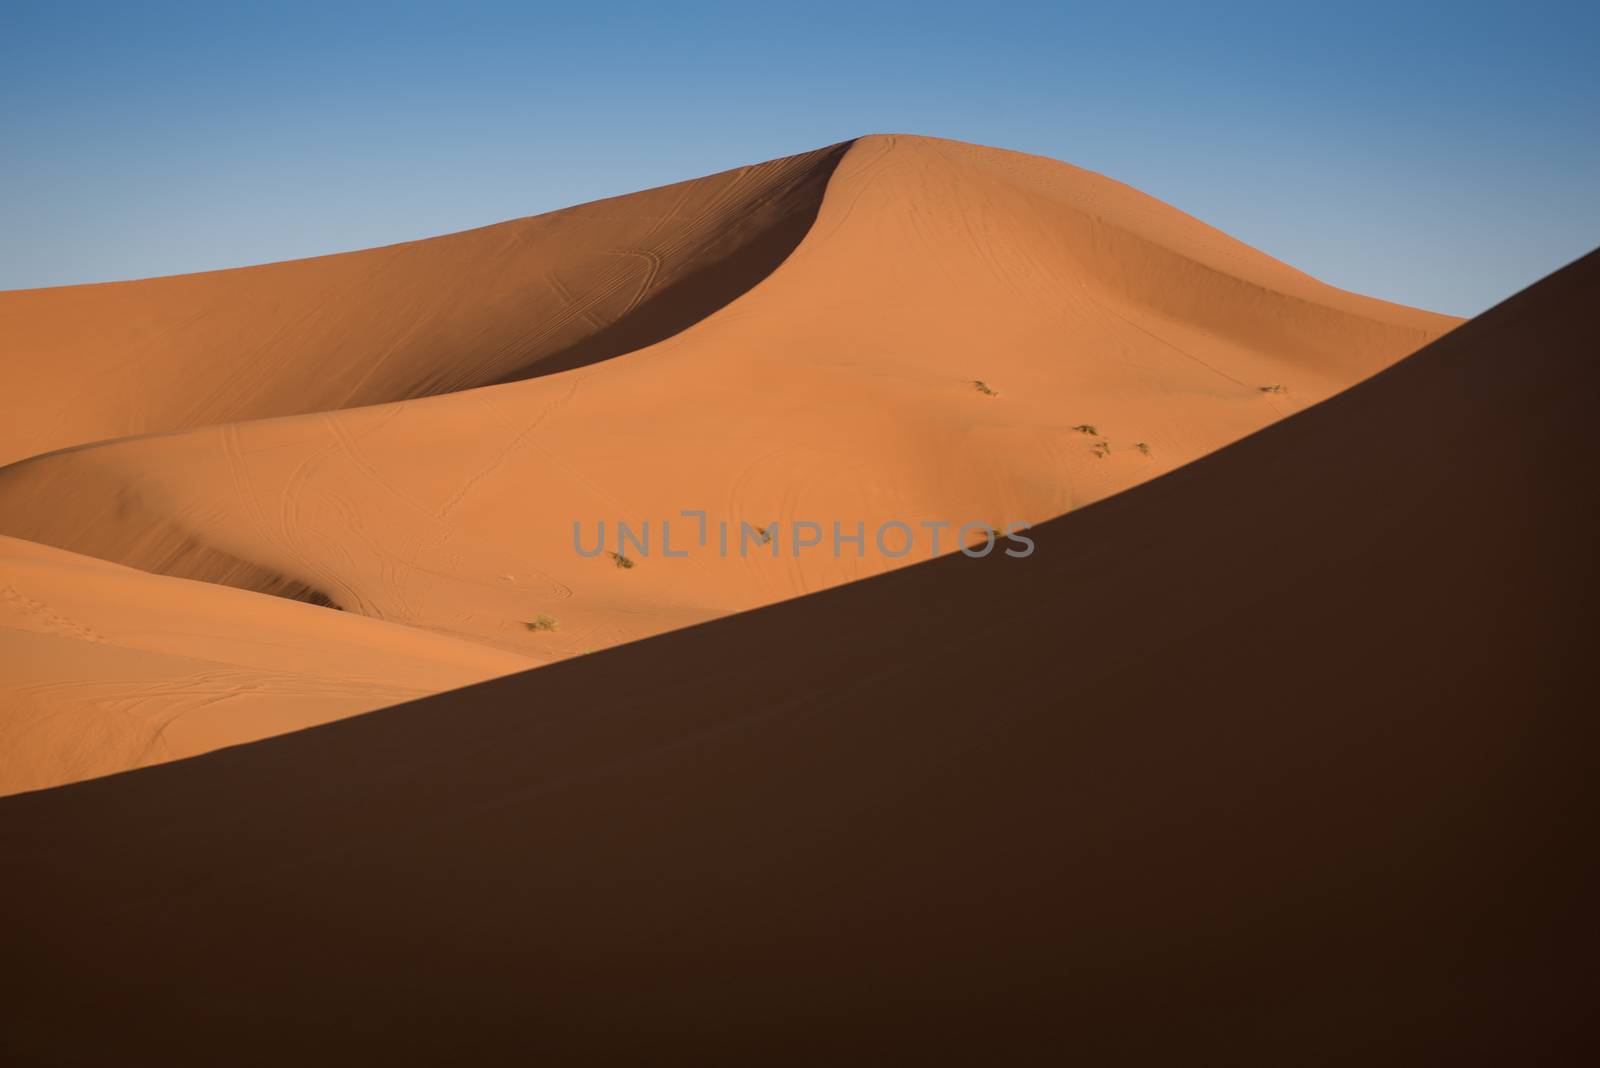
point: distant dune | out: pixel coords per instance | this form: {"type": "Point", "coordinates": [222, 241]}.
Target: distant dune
{"type": "Point", "coordinates": [900, 328]}
{"type": "Point", "coordinates": [1276, 759]}
{"type": "Point", "coordinates": [547, 293]}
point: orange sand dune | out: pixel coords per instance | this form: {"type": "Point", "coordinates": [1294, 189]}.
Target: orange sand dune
{"type": "Point", "coordinates": [1115, 338]}
{"type": "Point", "coordinates": [108, 668]}
{"type": "Point", "coordinates": [1276, 759]}
{"type": "Point", "coordinates": [86, 363]}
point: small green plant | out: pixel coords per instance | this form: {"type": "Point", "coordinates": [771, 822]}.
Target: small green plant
{"type": "Point", "coordinates": [982, 387]}
{"type": "Point", "coordinates": [621, 561]}
{"type": "Point", "coordinates": [1274, 389]}
{"type": "Point", "coordinates": [541, 623]}
{"type": "Point", "coordinates": [1087, 428]}
{"type": "Point", "coordinates": [1102, 449]}
{"type": "Point", "coordinates": [1142, 447]}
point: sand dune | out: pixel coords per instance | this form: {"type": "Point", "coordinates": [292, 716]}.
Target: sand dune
{"type": "Point", "coordinates": [1114, 337]}
{"type": "Point", "coordinates": [108, 668]}
{"type": "Point", "coordinates": [87, 363]}
{"type": "Point", "coordinates": [1271, 760]}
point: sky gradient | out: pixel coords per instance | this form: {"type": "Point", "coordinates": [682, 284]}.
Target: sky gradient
{"type": "Point", "coordinates": [1437, 155]}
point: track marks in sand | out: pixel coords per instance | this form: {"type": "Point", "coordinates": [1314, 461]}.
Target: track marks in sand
{"type": "Point", "coordinates": [41, 617]}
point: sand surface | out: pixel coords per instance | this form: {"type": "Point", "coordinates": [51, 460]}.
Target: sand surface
{"type": "Point", "coordinates": [1275, 759]}
{"type": "Point", "coordinates": [897, 329]}
{"type": "Point", "coordinates": [109, 668]}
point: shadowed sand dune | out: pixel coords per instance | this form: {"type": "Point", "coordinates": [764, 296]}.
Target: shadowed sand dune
{"type": "Point", "coordinates": [1115, 339]}
{"type": "Point", "coordinates": [1271, 760]}
{"type": "Point", "coordinates": [521, 298]}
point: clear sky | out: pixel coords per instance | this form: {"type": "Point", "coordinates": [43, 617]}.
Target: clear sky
{"type": "Point", "coordinates": [1439, 154]}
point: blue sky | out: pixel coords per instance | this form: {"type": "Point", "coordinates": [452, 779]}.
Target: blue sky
{"type": "Point", "coordinates": [1442, 155]}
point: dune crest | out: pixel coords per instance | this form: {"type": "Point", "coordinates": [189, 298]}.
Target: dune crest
{"type": "Point", "coordinates": [503, 302]}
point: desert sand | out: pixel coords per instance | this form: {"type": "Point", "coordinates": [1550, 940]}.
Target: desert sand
{"type": "Point", "coordinates": [900, 328]}
{"type": "Point", "coordinates": [1273, 759]}
{"type": "Point", "coordinates": [109, 668]}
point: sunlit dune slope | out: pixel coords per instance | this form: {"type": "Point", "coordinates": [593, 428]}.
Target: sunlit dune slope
{"type": "Point", "coordinates": [108, 668]}
{"type": "Point", "coordinates": [521, 298]}
{"type": "Point", "coordinates": [1277, 759]}
{"type": "Point", "coordinates": [1115, 339]}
